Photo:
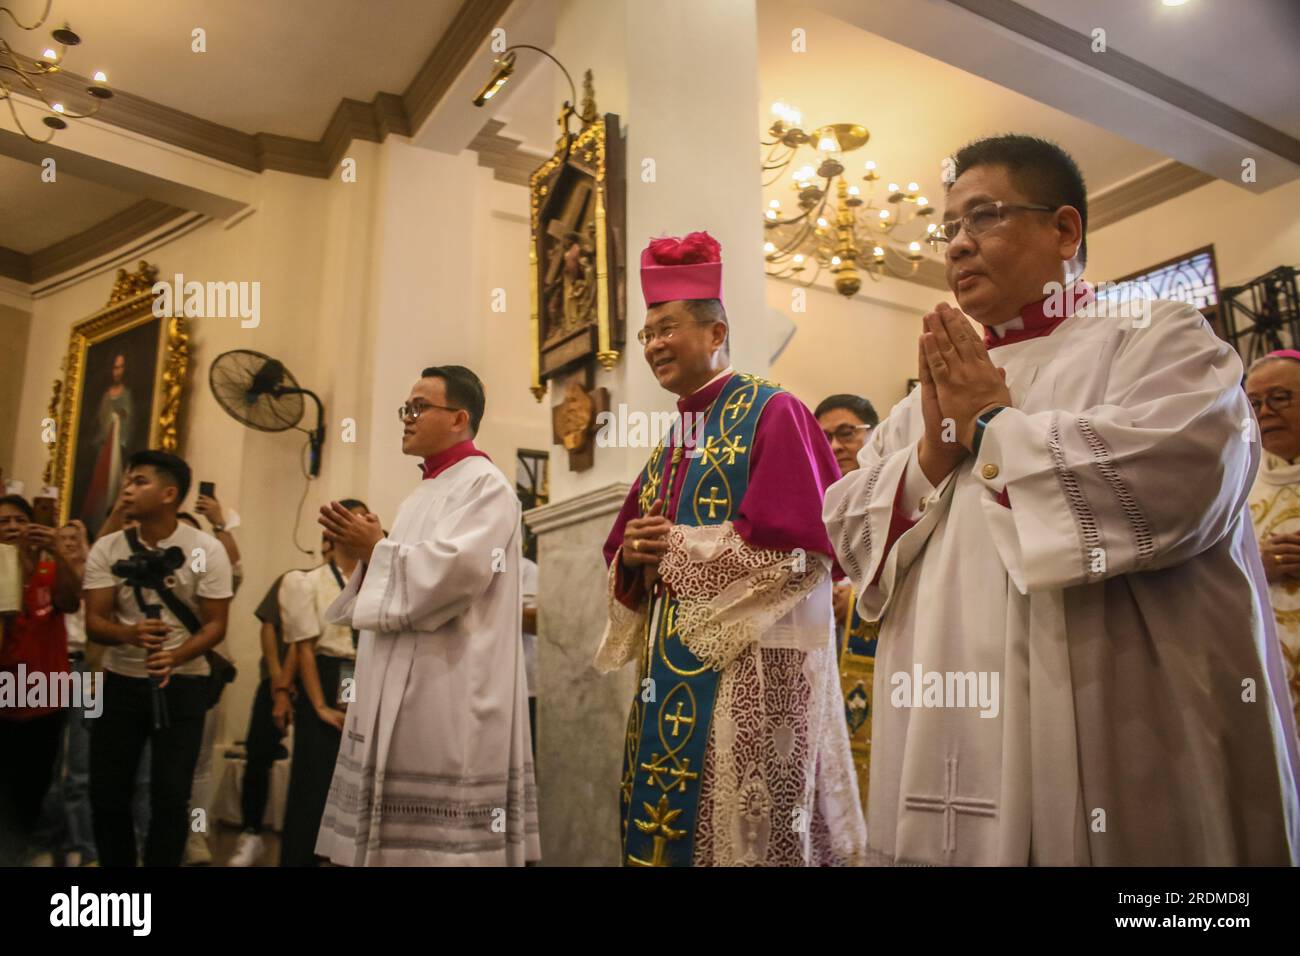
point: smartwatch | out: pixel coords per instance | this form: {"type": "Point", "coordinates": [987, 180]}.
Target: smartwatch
{"type": "Point", "coordinates": [981, 422]}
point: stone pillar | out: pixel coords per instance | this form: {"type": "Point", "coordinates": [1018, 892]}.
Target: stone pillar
{"type": "Point", "coordinates": [581, 714]}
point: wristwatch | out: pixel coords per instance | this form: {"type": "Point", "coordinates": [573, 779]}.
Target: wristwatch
{"type": "Point", "coordinates": [218, 528]}
{"type": "Point", "coordinates": [981, 422]}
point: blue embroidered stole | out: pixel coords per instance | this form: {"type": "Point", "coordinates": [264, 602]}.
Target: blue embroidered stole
{"type": "Point", "coordinates": [857, 671]}
{"type": "Point", "coordinates": [668, 728]}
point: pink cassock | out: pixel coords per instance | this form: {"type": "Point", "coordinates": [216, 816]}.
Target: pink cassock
{"type": "Point", "coordinates": [791, 466]}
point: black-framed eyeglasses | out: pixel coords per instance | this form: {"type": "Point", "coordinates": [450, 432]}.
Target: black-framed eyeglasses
{"type": "Point", "coordinates": [845, 433]}
{"type": "Point", "coordinates": [1275, 400]}
{"type": "Point", "coordinates": [413, 410]}
{"type": "Point", "coordinates": [981, 219]}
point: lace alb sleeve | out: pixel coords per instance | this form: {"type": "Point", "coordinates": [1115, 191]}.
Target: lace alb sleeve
{"type": "Point", "coordinates": [730, 593]}
{"type": "Point", "coordinates": [624, 635]}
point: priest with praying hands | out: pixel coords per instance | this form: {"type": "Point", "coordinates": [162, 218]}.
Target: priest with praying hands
{"type": "Point", "coordinates": [1076, 664]}
{"type": "Point", "coordinates": [435, 766]}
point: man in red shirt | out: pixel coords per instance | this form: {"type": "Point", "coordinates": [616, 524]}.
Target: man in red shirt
{"type": "Point", "coordinates": [35, 642]}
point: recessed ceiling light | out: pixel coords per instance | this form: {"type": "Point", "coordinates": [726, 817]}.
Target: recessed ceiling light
{"type": "Point", "coordinates": [1173, 3]}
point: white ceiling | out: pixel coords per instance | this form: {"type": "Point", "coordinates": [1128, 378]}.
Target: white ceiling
{"type": "Point", "coordinates": [918, 110]}
{"type": "Point", "coordinates": [273, 66]}
{"type": "Point", "coordinates": [38, 214]}
{"type": "Point", "coordinates": [1215, 46]}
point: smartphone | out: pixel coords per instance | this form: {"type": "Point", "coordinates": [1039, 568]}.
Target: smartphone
{"type": "Point", "coordinates": [208, 488]}
{"type": "Point", "coordinates": [43, 511]}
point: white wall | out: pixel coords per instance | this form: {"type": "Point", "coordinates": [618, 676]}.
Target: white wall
{"type": "Point", "coordinates": [15, 327]}
{"type": "Point", "coordinates": [362, 285]}
{"type": "Point", "coordinates": [864, 346]}
{"type": "Point", "coordinates": [1251, 234]}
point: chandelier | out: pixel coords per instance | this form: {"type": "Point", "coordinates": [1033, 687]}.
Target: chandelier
{"type": "Point", "coordinates": [27, 71]}
{"type": "Point", "coordinates": [836, 226]}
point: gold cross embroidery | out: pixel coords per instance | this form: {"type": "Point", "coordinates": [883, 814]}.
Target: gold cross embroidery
{"type": "Point", "coordinates": [682, 774]}
{"type": "Point", "coordinates": [731, 447]}
{"type": "Point", "coordinates": [653, 770]}
{"type": "Point", "coordinates": [679, 718]}
{"type": "Point", "coordinates": [740, 402]}
{"type": "Point", "coordinates": [713, 500]}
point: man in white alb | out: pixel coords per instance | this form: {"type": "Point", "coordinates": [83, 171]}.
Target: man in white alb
{"type": "Point", "coordinates": [1076, 663]}
{"type": "Point", "coordinates": [435, 765]}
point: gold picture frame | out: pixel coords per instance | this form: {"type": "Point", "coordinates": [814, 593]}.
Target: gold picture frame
{"type": "Point", "coordinates": [577, 203]}
{"type": "Point", "coordinates": [115, 357]}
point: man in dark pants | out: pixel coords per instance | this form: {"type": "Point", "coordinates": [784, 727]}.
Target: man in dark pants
{"type": "Point", "coordinates": [152, 660]}
{"type": "Point", "coordinates": [264, 733]}
{"type": "Point", "coordinates": [325, 656]}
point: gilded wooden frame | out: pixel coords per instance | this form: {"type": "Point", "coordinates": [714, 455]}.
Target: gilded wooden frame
{"type": "Point", "coordinates": [596, 150]}
{"type": "Point", "coordinates": [129, 307]}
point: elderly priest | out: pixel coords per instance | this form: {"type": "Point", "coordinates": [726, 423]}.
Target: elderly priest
{"type": "Point", "coordinates": [720, 590]}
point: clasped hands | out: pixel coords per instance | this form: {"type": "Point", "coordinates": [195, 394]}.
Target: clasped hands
{"type": "Point", "coordinates": [1281, 556]}
{"type": "Point", "coordinates": [355, 535]}
{"type": "Point", "coordinates": [958, 383]}
{"type": "Point", "coordinates": [645, 542]}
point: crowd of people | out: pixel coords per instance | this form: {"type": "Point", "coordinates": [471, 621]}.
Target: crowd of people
{"type": "Point", "coordinates": [1057, 536]}
{"type": "Point", "coordinates": [125, 793]}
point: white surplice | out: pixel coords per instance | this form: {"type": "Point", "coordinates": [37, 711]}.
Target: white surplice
{"type": "Point", "coordinates": [1142, 716]}
{"type": "Point", "coordinates": [1275, 509]}
{"type": "Point", "coordinates": [435, 766]}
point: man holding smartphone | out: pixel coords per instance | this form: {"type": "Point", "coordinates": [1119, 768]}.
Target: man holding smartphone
{"type": "Point", "coordinates": [151, 657]}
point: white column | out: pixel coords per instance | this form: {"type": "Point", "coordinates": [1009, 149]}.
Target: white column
{"type": "Point", "coordinates": [683, 77]}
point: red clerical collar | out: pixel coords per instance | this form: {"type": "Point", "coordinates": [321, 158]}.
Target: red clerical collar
{"type": "Point", "coordinates": [700, 399]}
{"type": "Point", "coordinates": [435, 465]}
{"type": "Point", "coordinates": [1036, 319]}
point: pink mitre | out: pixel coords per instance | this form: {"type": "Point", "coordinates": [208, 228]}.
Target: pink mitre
{"type": "Point", "coordinates": [685, 268]}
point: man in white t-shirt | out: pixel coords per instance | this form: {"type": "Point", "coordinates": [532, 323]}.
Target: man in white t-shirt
{"type": "Point", "coordinates": [155, 685]}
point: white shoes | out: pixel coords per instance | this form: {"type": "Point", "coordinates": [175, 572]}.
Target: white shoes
{"type": "Point", "coordinates": [249, 849]}
{"type": "Point", "coordinates": [196, 850]}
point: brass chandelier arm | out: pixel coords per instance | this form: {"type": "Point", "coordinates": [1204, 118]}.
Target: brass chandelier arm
{"type": "Point", "coordinates": [34, 26]}
{"type": "Point", "coordinates": [15, 64]}
{"type": "Point", "coordinates": [826, 193]}
{"type": "Point", "coordinates": [5, 95]}
{"type": "Point", "coordinates": [26, 77]}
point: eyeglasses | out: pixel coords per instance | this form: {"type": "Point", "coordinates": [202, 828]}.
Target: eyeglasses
{"type": "Point", "coordinates": [1276, 401]}
{"type": "Point", "coordinates": [413, 410]}
{"type": "Point", "coordinates": [646, 336]}
{"type": "Point", "coordinates": [980, 220]}
{"type": "Point", "coordinates": [845, 433]}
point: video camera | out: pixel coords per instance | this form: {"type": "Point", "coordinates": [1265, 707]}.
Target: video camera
{"type": "Point", "coordinates": [150, 569]}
